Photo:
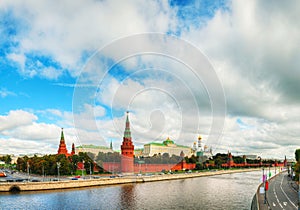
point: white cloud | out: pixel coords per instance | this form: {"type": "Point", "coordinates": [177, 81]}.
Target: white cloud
{"type": "Point", "coordinates": [253, 46]}
{"type": "Point", "coordinates": [25, 147]}
{"type": "Point", "coordinates": [16, 118]}
{"type": "Point", "coordinates": [18, 58]}
{"type": "Point", "coordinates": [4, 93]}
{"type": "Point", "coordinates": [21, 134]}
{"type": "Point", "coordinates": [254, 51]}
{"type": "Point", "coordinates": [65, 36]}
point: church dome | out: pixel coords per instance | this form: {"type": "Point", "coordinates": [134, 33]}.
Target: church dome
{"type": "Point", "coordinates": [168, 141]}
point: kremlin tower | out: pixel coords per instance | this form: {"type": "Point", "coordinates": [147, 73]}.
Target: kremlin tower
{"type": "Point", "coordinates": [127, 150]}
{"type": "Point", "coordinates": [62, 149]}
{"type": "Point", "coordinates": [73, 149]}
{"type": "Point", "coordinates": [230, 162]}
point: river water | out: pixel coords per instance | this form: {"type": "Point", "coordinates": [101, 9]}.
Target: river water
{"type": "Point", "coordinates": [228, 191]}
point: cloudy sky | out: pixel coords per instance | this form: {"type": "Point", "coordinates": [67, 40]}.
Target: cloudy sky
{"type": "Point", "coordinates": [227, 70]}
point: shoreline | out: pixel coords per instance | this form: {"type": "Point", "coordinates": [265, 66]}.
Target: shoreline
{"type": "Point", "coordinates": [73, 184]}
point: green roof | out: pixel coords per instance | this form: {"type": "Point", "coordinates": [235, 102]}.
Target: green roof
{"type": "Point", "coordinates": [164, 145]}
{"type": "Point", "coordinates": [168, 141]}
{"type": "Point", "coordinates": [91, 146]}
{"type": "Point", "coordinates": [155, 143]}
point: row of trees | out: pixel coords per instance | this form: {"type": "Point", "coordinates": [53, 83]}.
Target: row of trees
{"type": "Point", "coordinates": [48, 164]}
{"type": "Point", "coordinates": [7, 159]}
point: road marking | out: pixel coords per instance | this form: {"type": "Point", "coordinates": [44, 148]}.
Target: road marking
{"type": "Point", "coordinates": [277, 199]}
{"type": "Point", "coordinates": [286, 194]}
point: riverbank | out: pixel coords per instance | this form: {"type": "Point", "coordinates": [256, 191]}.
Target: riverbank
{"type": "Point", "coordinates": [39, 186]}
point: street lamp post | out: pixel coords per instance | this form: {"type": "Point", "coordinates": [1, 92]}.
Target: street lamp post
{"type": "Point", "coordinates": [82, 168]}
{"type": "Point", "coordinates": [43, 172]}
{"type": "Point", "coordinates": [28, 174]}
{"type": "Point", "coordinates": [90, 170]}
{"type": "Point", "coordinates": [58, 165]}
{"type": "Point", "coordinates": [264, 181]}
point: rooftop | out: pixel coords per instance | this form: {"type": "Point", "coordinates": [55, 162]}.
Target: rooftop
{"type": "Point", "coordinates": [166, 143]}
{"type": "Point", "coordinates": [91, 146]}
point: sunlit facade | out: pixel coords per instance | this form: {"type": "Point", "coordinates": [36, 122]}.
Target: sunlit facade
{"type": "Point", "coordinates": [168, 146]}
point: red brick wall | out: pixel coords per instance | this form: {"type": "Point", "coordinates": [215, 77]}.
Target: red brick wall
{"type": "Point", "coordinates": [145, 168]}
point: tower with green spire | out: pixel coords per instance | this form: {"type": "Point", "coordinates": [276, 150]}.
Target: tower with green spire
{"type": "Point", "coordinates": [62, 149]}
{"type": "Point", "coordinates": [127, 149]}
{"type": "Point", "coordinates": [111, 146]}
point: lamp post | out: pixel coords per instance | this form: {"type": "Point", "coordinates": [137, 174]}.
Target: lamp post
{"type": "Point", "coordinates": [58, 165]}
{"type": "Point", "coordinates": [43, 171]}
{"type": "Point", "coordinates": [264, 181]}
{"type": "Point", "coordinates": [82, 168]}
{"type": "Point", "coordinates": [90, 170]}
{"type": "Point", "coordinates": [28, 167]}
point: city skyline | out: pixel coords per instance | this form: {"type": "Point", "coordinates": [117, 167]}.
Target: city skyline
{"type": "Point", "coordinates": [52, 70]}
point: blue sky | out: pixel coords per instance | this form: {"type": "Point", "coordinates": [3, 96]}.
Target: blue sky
{"type": "Point", "coordinates": [47, 52]}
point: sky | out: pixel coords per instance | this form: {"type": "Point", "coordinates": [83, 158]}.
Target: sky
{"type": "Point", "coordinates": [225, 70]}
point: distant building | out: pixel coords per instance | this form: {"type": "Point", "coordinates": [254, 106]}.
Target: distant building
{"type": "Point", "coordinates": [138, 152]}
{"type": "Point", "coordinates": [93, 149]}
{"type": "Point", "coordinates": [251, 157]}
{"type": "Point", "coordinates": [202, 151]}
{"type": "Point", "coordinates": [167, 146]}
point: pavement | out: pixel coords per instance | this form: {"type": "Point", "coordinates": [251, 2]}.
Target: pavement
{"type": "Point", "coordinates": [282, 194]}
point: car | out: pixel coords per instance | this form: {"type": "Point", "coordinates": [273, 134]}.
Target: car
{"type": "Point", "coordinates": [112, 176]}
{"type": "Point", "coordinates": [74, 178]}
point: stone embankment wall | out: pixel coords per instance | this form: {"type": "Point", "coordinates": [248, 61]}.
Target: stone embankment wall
{"type": "Point", "coordinates": [35, 186]}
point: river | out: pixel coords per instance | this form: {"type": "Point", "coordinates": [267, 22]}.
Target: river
{"type": "Point", "coordinates": [228, 191]}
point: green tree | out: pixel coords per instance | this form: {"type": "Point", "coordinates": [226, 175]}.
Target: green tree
{"type": "Point", "coordinates": [7, 159]}
{"type": "Point", "coordinates": [297, 155]}
{"type": "Point", "coordinates": [20, 164]}
{"type": "Point", "coordinates": [74, 159]}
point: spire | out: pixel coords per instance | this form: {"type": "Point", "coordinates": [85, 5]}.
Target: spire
{"type": "Point", "coordinates": [127, 133]}
{"type": "Point", "coordinates": [111, 147]}
{"type": "Point", "coordinates": [62, 138]}
{"type": "Point", "coordinates": [62, 149]}
{"type": "Point", "coordinates": [73, 149]}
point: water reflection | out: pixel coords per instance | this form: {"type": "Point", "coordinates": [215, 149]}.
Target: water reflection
{"type": "Point", "coordinates": [230, 191]}
{"type": "Point", "coordinates": [127, 197]}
